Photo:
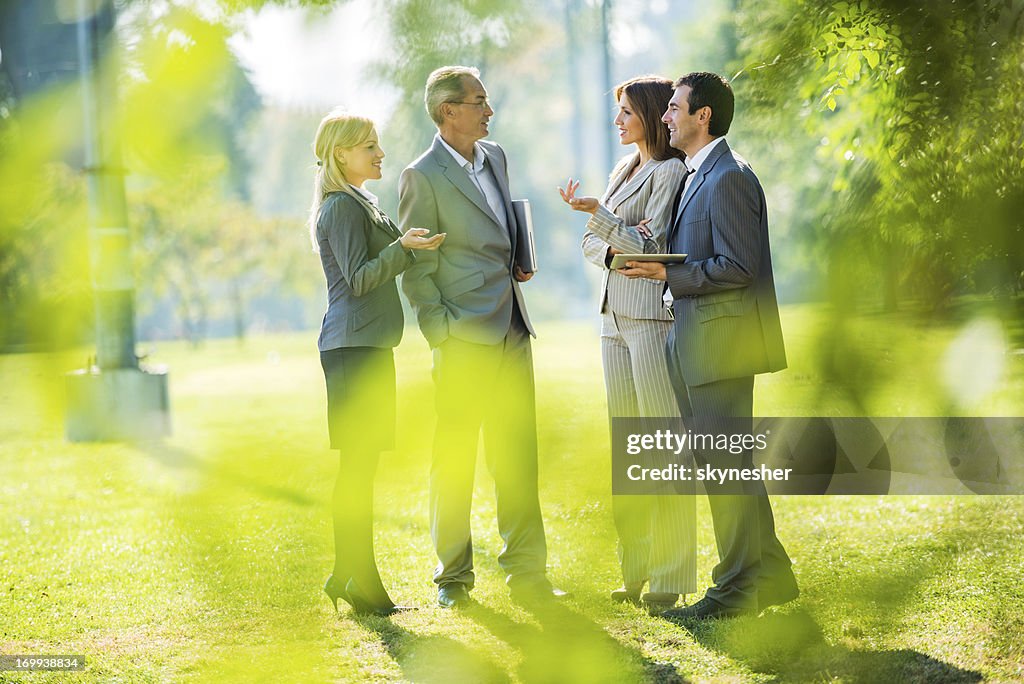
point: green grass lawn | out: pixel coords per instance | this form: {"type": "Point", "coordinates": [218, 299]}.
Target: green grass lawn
{"type": "Point", "coordinates": [201, 558]}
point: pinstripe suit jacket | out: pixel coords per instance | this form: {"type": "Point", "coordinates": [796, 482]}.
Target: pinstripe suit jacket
{"type": "Point", "coordinates": [726, 313]}
{"type": "Point", "coordinates": [648, 194]}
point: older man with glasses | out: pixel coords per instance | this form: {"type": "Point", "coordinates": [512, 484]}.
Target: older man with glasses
{"type": "Point", "coordinates": [473, 315]}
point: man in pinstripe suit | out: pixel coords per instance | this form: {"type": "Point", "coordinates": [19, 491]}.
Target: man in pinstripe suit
{"type": "Point", "coordinates": [726, 331]}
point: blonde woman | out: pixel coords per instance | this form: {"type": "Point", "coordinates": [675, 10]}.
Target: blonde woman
{"type": "Point", "coordinates": [362, 252]}
{"type": "Point", "coordinates": [656, 533]}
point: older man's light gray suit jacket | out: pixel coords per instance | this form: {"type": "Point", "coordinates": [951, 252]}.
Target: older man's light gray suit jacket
{"type": "Point", "coordinates": [465, 289]}
{"type": "Point", "coordinates": [650, 194]}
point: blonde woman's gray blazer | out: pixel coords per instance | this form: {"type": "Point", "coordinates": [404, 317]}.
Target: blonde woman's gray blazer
{"type": "Point", "coordinates": [361, 255]}
{"type": "Point", "coordinates": [650, 193]}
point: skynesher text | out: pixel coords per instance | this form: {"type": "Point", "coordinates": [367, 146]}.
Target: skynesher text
{"type": "Point", "coordinates": [707, 473]}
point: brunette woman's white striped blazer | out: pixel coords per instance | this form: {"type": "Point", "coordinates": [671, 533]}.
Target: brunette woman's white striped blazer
{"type": "Point", "coordinates": [651, 193]}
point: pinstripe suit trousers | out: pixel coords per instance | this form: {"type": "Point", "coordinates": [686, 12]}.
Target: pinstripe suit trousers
{"type": "Point", "coordinates": [657, 534]}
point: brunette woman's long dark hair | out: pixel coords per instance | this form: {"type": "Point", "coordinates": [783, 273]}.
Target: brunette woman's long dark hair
{"type": "Point", "coordinates": [649, 96]}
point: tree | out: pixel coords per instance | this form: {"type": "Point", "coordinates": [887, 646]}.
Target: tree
{"type": "Point", "coordinates": [201, 244]}
{"type": "Point", "coordinates": [915, 110]}
{"type": "Point", "coordinates": [44, 285]}
{"type": "Point", "coordinates": [210, 256]}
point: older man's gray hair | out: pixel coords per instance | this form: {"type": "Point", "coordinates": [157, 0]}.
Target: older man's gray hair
{"type": "Point", "coordinates": [445, 85]}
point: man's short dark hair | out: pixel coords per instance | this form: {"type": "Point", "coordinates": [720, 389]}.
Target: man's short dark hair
{"type": "Point", "coordinates": [710, 90]}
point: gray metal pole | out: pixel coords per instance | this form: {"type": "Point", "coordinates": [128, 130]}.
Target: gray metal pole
{"type": "Point", "coordinates": [113, 399]}
{"type": "Point", "coordinates": [109, 237]}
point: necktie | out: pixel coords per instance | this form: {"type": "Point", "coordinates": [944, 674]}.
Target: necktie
{"type": "Point", "coordinates": [686, 185]}
{"type": "Point", "coordinates": [686, 178]}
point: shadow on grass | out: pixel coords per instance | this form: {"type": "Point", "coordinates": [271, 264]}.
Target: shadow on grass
{"type": "Point", "coordinates": [792, 648]}
{"type": "Point", "coordinates": [887, 586]}
{"type": "Point", "coordinates": [433, 659]}
{"type": "Point", "coordinates": [564, 647]}
{"type": "Point", "coordinates": [176, 457]}
{"type": "Point", "coordinates": [569, 647]}
{"type": "Point", "coordinates": [889, 589]}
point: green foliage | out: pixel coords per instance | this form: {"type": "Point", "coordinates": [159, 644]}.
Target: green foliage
{"type": "Point", "coordinates": [45, 292]}
{"type": "Point", "coordinates": [916, 110]}
{"type": "Point", "coordinates": [188, 107]}
{"type": "Point", "coordinates": [177, 98]}
{"type": "Point", "coordinates": [182, 115]}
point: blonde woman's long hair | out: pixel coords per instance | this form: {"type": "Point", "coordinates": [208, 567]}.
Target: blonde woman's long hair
{"type": "Point", "coordinates": [338, 129]}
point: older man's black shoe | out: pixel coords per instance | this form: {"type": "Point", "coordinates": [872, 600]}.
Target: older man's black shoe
{"type": "Point", "coordinates": [453, 595]}
{"type": "Point", "coordinates": [705, 609]}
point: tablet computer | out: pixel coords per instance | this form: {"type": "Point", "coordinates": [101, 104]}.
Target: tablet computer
{"type": "Point", "coordinates": [619, 260]}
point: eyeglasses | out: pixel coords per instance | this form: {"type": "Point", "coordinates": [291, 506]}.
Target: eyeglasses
{"type": "Point", "coordinates": [483, 104]}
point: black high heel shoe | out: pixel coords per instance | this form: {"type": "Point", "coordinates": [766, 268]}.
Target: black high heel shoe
{"type": "Point", "coordinates": [335, 591]}
{"type": "Point", "coordinates": [360, 604]}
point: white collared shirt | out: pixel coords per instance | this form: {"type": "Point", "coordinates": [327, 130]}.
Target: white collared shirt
{"type": "Point", "coordinates": [367, 195]}
{"type": "Point", "coordinates": [483, 178]}
{"type": "Point", "coordinates": [698, 160]}
{"type": "Point", "coordinates": [693, 164]}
